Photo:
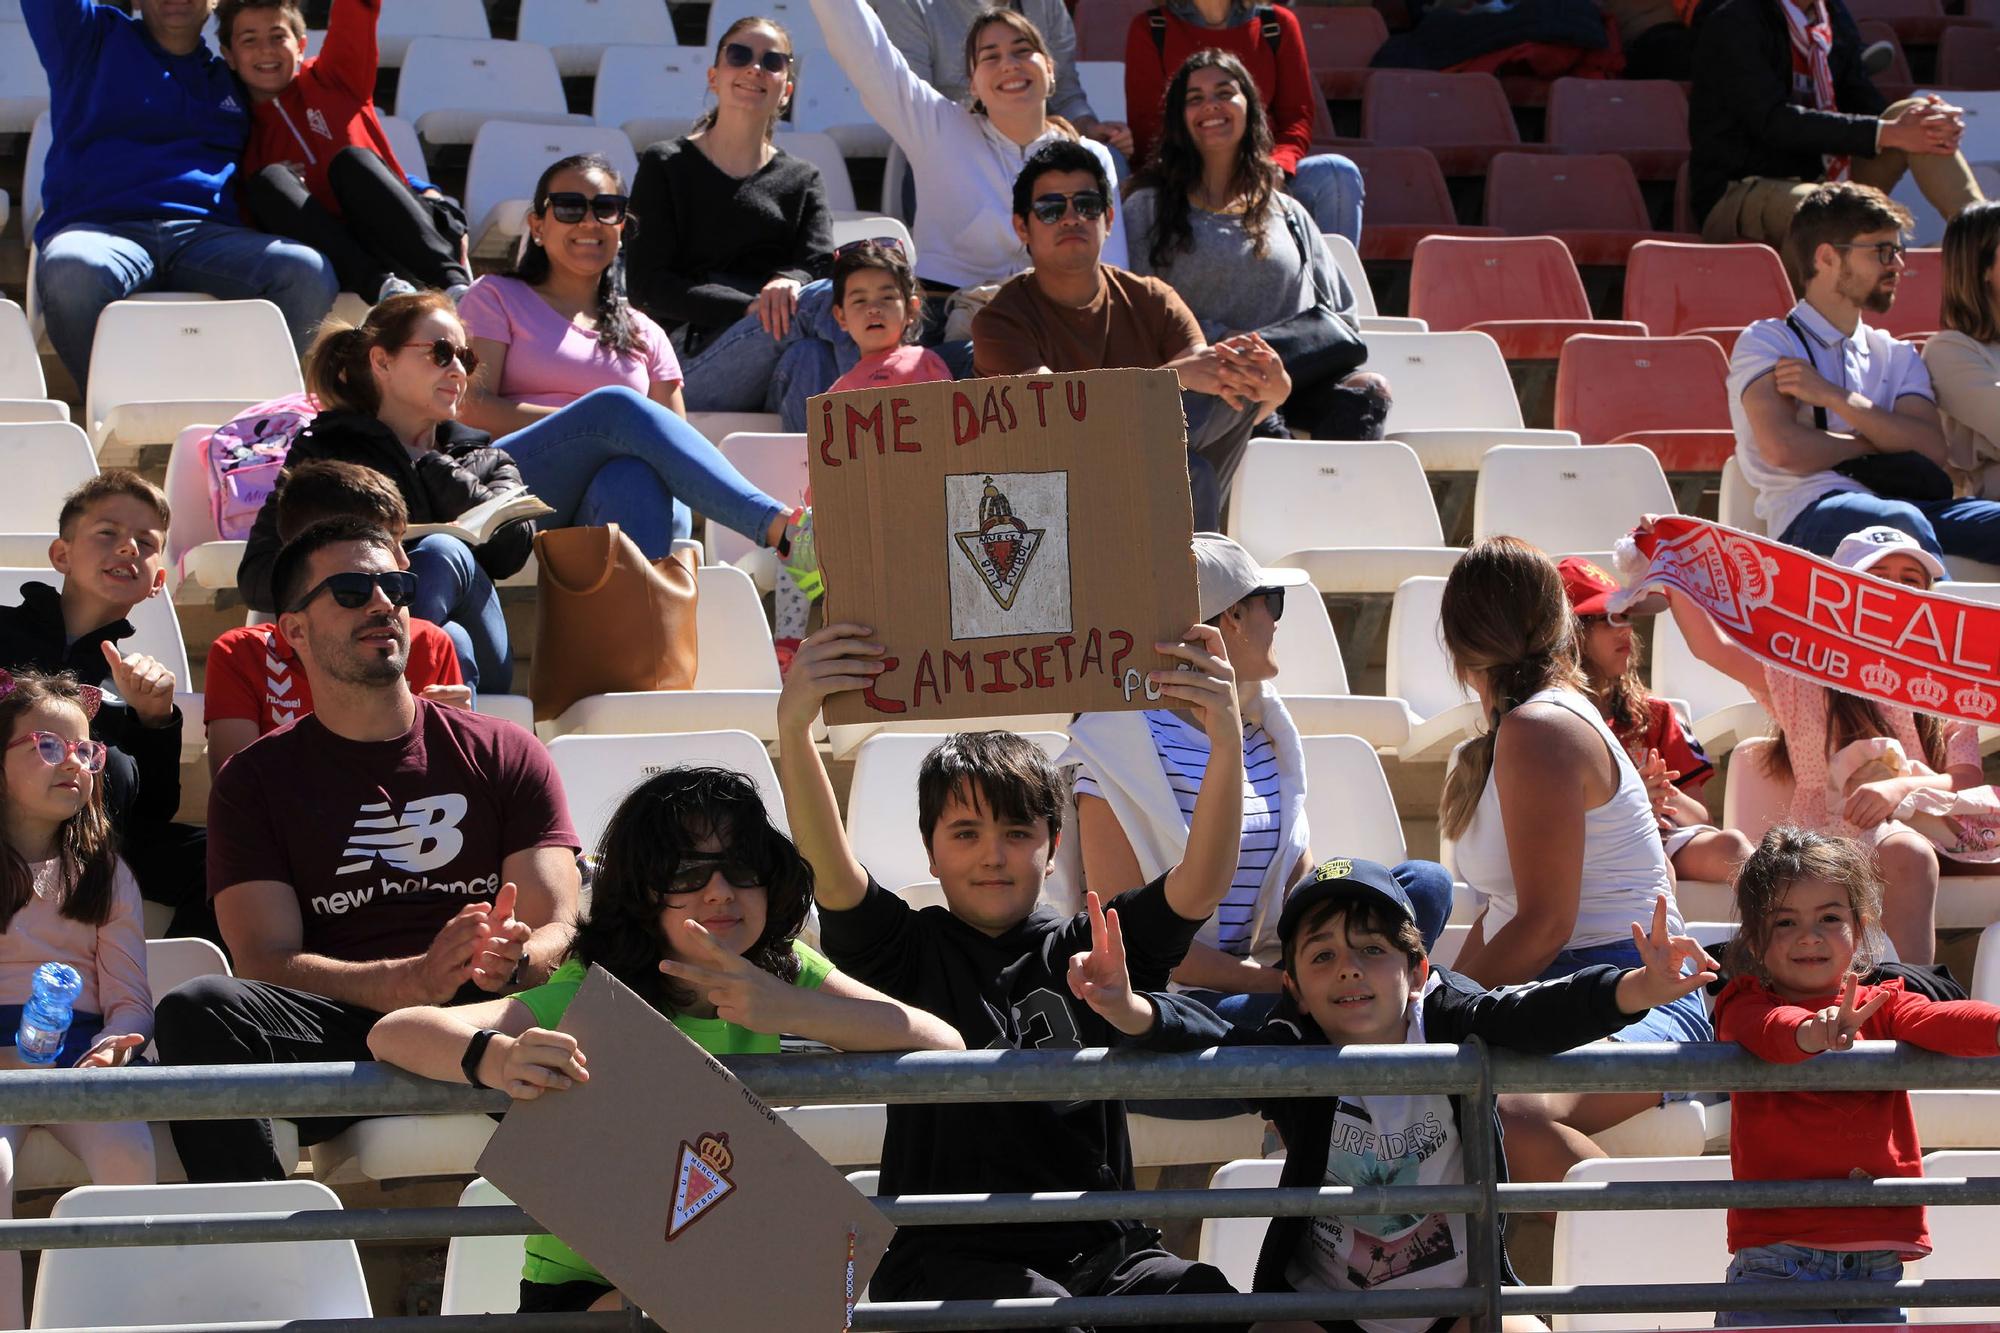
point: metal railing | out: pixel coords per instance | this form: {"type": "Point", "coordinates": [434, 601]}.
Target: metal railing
{"type": "Point", "coordinates": [1469, 1071]}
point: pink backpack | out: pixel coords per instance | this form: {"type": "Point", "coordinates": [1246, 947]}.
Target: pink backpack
{"type": "Point", "coordinates": [244, 457]}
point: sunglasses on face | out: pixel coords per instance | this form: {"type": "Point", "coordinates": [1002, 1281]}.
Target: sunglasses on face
{"type": "Point", "coordinates": [354, 589]}
{"type": "Point", "coordinates": [739, 56]}
{"type": "Point", "coordinates": [891, 243]}
{"type": "Point", "coordinates": [1051, 208]}
{"type": "Point", "coordinates": [1886, 252]}
{"type": "Point", "coordinates": [694, 872]}
{"type": "Point", "coordinates": [569, 206]}
{"type": "Point", "coordinates": [54, 750]}
{"type": "Point", "coordinates": [444, 350]}
{"type": "Point", "coordinates": [1274, 601]}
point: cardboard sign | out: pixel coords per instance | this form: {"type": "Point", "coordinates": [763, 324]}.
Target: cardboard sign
{"type": "Point", "coordinates": [1017, 544]}
{"type": "Point", "coordinates": [683, 1188]}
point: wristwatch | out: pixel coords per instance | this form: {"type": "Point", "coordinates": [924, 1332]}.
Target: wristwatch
{"type": "Point", "coordinates": [475, 1051]}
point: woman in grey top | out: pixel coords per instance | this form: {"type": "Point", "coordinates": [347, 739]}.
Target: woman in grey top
{"type": "Point", "coordinates": [1210, 217]}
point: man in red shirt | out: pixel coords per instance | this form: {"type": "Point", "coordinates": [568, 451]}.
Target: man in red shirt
{"type": "Point", "coordinates": [319, 167]}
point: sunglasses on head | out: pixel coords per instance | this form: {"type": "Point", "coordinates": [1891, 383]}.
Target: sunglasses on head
{"type": "Point", "coordinates": [54, 750]}
{"type": "Point", "coordinates": [354, 589]}
{"type": "Point", "coordinates": [694, 872]}
{"type": "Point", "coordinates": [1050, 208]}
{"type": "Point", "coordinates": [1592, 622]}
{"type": "Point", "coordinates": [569, 206]}
{"type": "Point", "coordinates": [892, 243]}
{"type": "Point", "coordinates": [444, 350]}
{"type": "Point", "coordinates": [739, 56]}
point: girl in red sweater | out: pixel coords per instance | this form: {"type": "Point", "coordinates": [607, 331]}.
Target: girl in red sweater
{"type": "Point", "coordinates": [1811, 908]}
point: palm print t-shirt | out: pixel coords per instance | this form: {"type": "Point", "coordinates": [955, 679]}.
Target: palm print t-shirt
{"type": "Point", "coordinates": [384, 841]}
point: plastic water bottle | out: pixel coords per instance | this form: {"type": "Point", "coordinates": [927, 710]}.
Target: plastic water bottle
{"type": "Point", "coordinates": [45, 1019]}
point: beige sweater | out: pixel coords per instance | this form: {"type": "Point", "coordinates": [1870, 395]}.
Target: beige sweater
{"type": "Point", "coordinates": [1966, 377]}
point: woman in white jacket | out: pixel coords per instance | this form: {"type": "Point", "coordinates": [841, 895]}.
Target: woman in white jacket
{"type": "Point", "coordinates": [1133, 785]}
{"type": "Point", "coordinates": [964, 160]}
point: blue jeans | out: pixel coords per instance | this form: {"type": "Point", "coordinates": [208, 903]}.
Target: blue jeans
{"type": "Point", "coordinates": [1797, 1263]}
{"type": "Point", "coordinates": [1683, 1020]}
{"type": "Point", "coordinates": [86, 267]}
{"type": "Point", "coordinates": [745, 369]}
{"type": "Point", "coordinates": [453, 591]}
{"type": "Point", "coordinates": [1330, 187]}
{"type": "Point", "coordinates": [1970, 528]}
{"type": "Point", "coordinates": [616, 456]}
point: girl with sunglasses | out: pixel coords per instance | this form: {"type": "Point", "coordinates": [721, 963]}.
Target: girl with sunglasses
{"type": "Point", "coordinates": [388, 391]}
{"type": "Point", "coordinates": [66, 897]}
{"type": "Point", "coordinates": [697, 904]}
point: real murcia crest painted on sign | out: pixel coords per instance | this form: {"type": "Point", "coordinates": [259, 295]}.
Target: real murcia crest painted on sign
{"type": "Point", "coordinates": [1009, 553]}
{"type": "Point", "coordinates": [701, 1182]}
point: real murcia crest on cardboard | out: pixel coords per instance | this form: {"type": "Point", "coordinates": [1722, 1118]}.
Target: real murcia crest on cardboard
{"type": "Point", "coordinates": [701, 1182]}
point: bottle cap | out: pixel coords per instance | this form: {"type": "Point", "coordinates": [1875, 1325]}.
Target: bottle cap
{"type": "Point", "coordinates": [61, 978]}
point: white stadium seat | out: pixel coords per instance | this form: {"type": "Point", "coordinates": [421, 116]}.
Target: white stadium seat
{"type": "Point", "coordinates": [775, 465]}
{"type": "Point", "coordinates": [47, 460]}
{"type": "Point", "coordinates": [1103, 87]}
{"type": "Point", "coordinates": [1681, 1246]}
{"type": "Point", "coordinates": [24, 392]}
{"type": "Point", "coordinates": [598, 771]}
{"type": "Point", "coordinates": [823, 152]}
{"type": "Point", "coordinates": [1349, 808]}
{"type": "Point", "coordinates": [24, 85]}
{"type": "Point", "coordinates": [826, 103]}
{"type": "Point", "coordinates": [1348, 260]}
{"type": "Point", "coordinates": [1312, 680]}
{"type": "Point", "coordinates": [199, 1284]}
{"type": "Point", "coordinates": [468, 82]}
{"type": "Point", "coordinates": [404, 143]}
{"type": "Point", "coordinates": [795, 15]}
{"type": "Point", "coordinates": [719, 426]}
{"type": "Point", "coordinates": [1963, 1240]}
{"type": "Point", "coordinates": [158, 367]}
{"type": "Point", "coordinates": [650, 92]}
{"type": "Point", "coordinates": [155, 630]}
{"type": "Point", "coordinates": [579, 32]}
{"type": "Point", "coordinates": [401, 25]}
{"type": "Point", "coordinates": [1721, 710]}
{"type": "Point", "coordinates": [1356, 516]}
{"type": "Point", "coordinates": [1568, 501]}
{"type": "Point", "coordinates": [1233, 1243]}
{"type": "Point", "coordinates": [515, 708]}
{"type": "Point", "coordinates": [509, 156]}
{"type": "Point", "coordinates": [882, 802]}
{"type": "Point", "coordinates": [31, 183]}
{"type": "Point", "coordinates": [1443, 712]}
{"type": "Point", "coordinates": [1453, 398]}
{"type": "Point", "coordinates": [482, 1274]}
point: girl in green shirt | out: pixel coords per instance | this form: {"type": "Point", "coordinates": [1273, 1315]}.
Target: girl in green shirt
{"type": "Point", "coordinates": [697, 906]}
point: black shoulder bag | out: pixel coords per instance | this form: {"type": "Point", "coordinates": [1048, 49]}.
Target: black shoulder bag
{"type": "Point", "coordinates": [1316, 345]}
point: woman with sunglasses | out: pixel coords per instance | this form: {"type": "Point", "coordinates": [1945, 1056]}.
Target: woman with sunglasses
{"type": "Point", "coordinates": [696, 904]}
{"type": "Point", "coordinates": [734, 252]}
{"type": "Point", "coordinates": [964, 159]}
{"type": "Point", "coordinates": [1135, 775]}
{"type": "Point", "coordinates": [66, 897]}
{"type": "Point", "coordinates": [388, 391]}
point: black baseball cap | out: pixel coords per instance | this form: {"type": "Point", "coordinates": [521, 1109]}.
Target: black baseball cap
{"type": "Point", "coordinates": [1343, 877]}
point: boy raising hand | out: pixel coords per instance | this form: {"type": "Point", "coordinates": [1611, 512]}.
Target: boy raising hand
{"type": "Point", "coordinates": [993, 963]}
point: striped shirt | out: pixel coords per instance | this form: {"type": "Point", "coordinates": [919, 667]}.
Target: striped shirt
{"type": "Point", "coordinates": [1183, 752]}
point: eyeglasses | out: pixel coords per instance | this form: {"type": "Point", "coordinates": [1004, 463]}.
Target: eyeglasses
{"type": "Point", "coordinates": [353, 589]}
{"type": "Point", "coordinates": [1050, 209]}
{"type": "Point", "coordinates": [738, 56]}
{"type": "Point", "coordinates": [54, 750]}
{"type": "Point", "coordinates": [569, 206]}
{"type": "Point", "coordinates": [443, 350]}
{"type": "Point", "coordinates": [694, 872]}
{"type": "Point", "coordinates": [890, 243]}
{"type": "Point", "coordinates": [1886, 252]}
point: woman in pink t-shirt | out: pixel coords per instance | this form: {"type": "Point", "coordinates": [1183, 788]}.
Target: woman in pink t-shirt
{"type": "Point", "coordinates": [584, 390]}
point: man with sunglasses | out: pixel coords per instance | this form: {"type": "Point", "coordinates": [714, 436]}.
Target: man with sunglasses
{"type": "Point", "coordinates": [382, 851]}
{"type": "Point", "coordinates": [1073, 312]}
{"type": "Point", "coordinates": [1836, 423]}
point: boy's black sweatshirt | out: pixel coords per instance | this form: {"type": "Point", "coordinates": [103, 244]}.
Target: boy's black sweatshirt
{"type": "Point", "coordinates": [1004, 992]}
{"type": "Point", "coordinates": [1541, 1018]}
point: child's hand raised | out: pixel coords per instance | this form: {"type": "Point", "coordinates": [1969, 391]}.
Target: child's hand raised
{"type": "Point", "coordinates": [742, 992]}
{"type": "Point", "coordinates": [1835, 1027]}
{"type": "Point", "coordinates": [1099, 978]}
{"type": "Point", "coordinates": [1660, 981]}
{"type": "Point", "coordinates": [146, 686]}
{"type": "Point", "coordinates": [836, 658]}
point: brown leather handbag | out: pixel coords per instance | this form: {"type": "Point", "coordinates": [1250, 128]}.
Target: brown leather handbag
{"type": "Point", "coordinates": [607, 619]}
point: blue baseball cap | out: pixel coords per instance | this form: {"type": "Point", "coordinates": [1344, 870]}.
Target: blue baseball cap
{"type": "Point", "coordinates": [1343, 877]}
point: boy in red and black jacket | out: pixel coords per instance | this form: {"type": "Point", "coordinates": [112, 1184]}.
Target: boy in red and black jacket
{"type": "Point", "coordinates": [319, 167]}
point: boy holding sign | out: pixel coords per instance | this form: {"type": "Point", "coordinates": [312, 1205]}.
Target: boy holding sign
{"type": "Point", "coordinates": [993, 962]}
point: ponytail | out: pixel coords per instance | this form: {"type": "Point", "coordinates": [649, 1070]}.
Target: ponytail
{"type": "Point", "coordinates": [336, 368]}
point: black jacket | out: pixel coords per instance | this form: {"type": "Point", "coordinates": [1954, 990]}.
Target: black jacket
{"type": "Point", "coordinates": [142, 776]}
{"type": "Point", "coordinates": [1540, 1019]}
{"type": "Point", "coordinates": [464, 470]}
{"type": "Point", "coordinates": [1742, 119]}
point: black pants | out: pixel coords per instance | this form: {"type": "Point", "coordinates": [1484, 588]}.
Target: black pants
{"type": "Point", "coordinates": [946, 1275]}
{"type": "Point", "coordinates": [231, 1021]}
{"type": "Point", "coordinates": [385, 229]}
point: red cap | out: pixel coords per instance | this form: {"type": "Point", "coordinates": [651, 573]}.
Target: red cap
{"type": "Point", "coordinates": [1588, 586]}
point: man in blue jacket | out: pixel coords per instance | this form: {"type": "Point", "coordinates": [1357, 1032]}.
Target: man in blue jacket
{"type": "Point", "coordinates": [138, 193]}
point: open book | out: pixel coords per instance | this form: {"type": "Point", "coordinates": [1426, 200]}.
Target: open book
{"type": "Point", "coordinates": [478, 524]}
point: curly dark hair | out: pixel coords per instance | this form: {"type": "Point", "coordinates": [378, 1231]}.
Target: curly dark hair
{"type": "Point", "coordinates": [1175, 167]}
{"type": "Point", "coordinates": [616, 332]}
{"type": "Point", "coordinates": [659, 822]}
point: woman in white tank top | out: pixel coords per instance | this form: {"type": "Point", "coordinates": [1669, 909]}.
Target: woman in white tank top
{"type": "Point", "coordinates": [1553, 824]}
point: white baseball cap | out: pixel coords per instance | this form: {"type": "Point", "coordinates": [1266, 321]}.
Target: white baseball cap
{"type": "Point", "coordinates": [1225, 574]}
{"type": "Point", "coordinates": [1862, 550]}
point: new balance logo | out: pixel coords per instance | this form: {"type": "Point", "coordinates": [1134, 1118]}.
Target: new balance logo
{"type": "Point", "coordinates": [423, 838]}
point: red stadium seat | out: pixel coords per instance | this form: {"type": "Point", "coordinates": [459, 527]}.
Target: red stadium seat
{"type": "Point", "coordinates": [1917, 22]}
{"type": "Point", "coordinates": [1676, 288]}
{"type": "Point", "coordinates": [1463, 119]}
{"type": "Point", "coordinates": [1102, 25]}
{"type": "Point", "coordinates": [1644, 121]}
{"type": "Point", "coordinates": [1591, 201]}
{"type": "Point", "coordinates": [1895, 82]}
{"type": "Point", "coordinates": [1339, 44]}
{"type": "Point", "coordinates": [1919, 296]}
{"type": "Point", "coordinates": [1522, 291]}
{"type": "Point", "coordinates": [1970, 58]}
{"type": "Point", "coordinates": [1407, 201]}
{"type": "Point", "coordinates": [1986, 11]}
{"type": "Point", "coordinates": [1669, 394]}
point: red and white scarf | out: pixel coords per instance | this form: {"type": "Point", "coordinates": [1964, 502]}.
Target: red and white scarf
{"type": "Point", "coordinates": [1811, 32]}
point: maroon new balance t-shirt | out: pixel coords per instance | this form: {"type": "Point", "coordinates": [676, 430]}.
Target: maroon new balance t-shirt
{"type": "Point", "coordinates": [384, 841]}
